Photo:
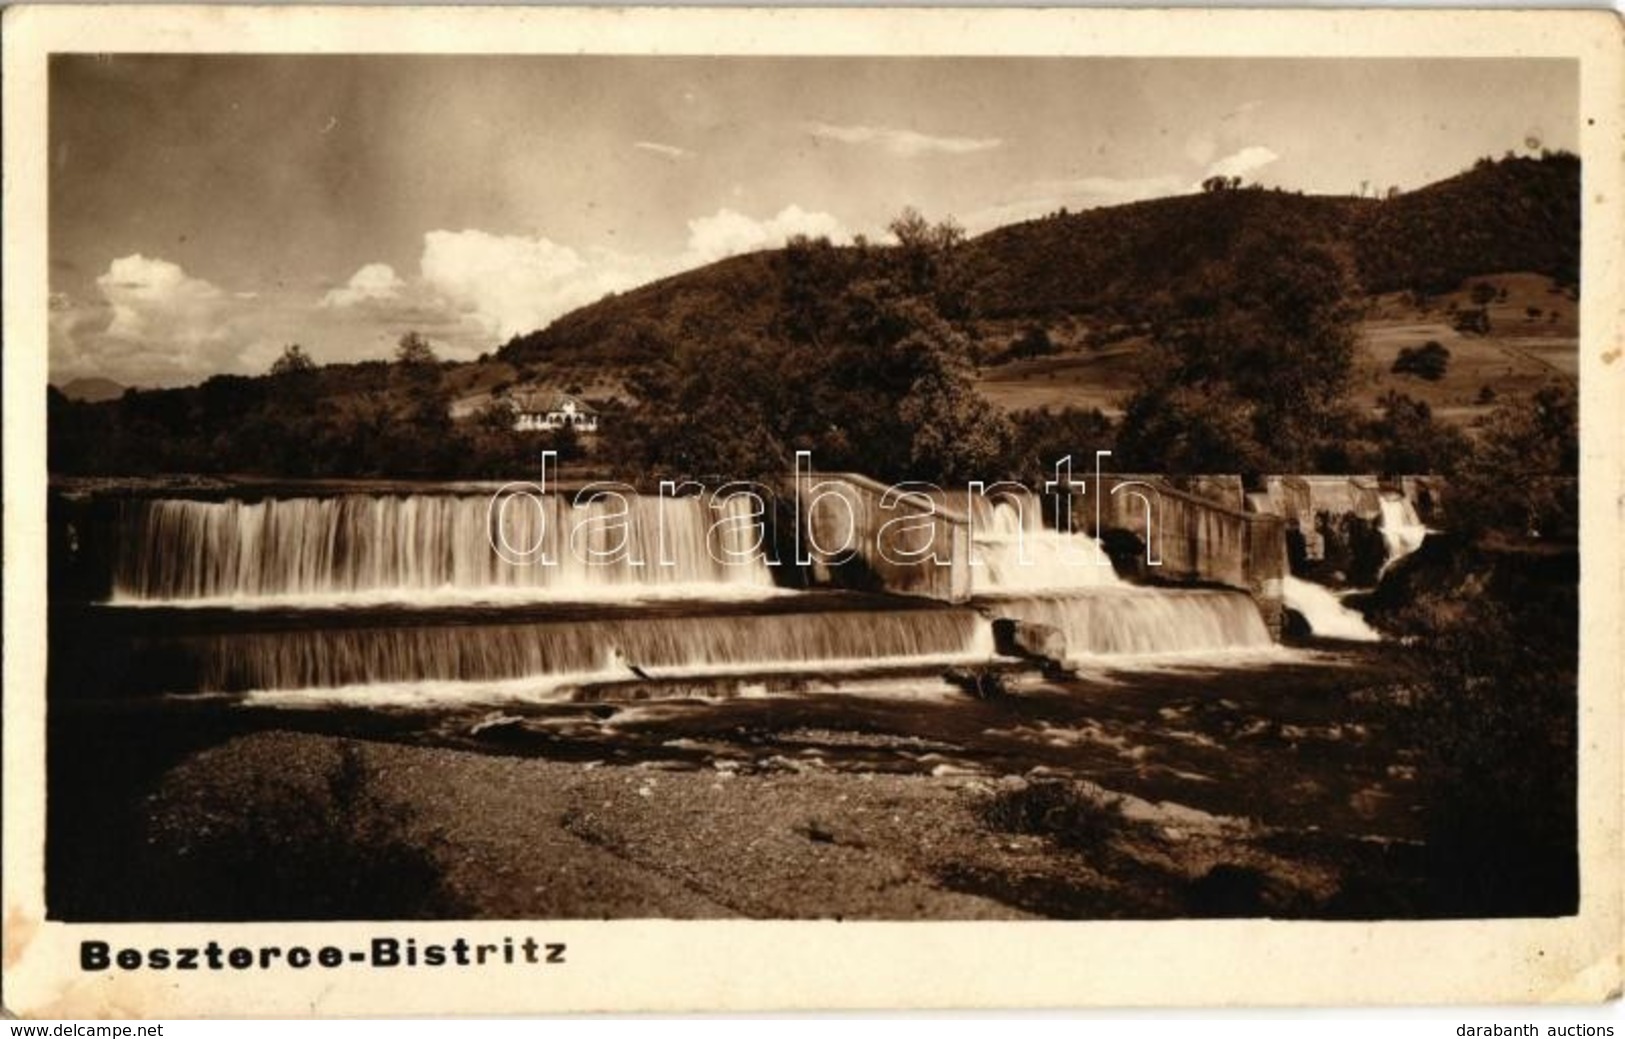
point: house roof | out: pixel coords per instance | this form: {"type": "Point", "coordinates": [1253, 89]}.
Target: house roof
{"type": "Point", "coordinates": [543, 403]}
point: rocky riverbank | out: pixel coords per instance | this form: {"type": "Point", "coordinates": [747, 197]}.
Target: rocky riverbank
{"type": "Point", "coordinates": [1199, 793]}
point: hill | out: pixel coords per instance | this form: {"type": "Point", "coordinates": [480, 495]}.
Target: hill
{"type": "Point", "coordinates": [1106, 270]}
{"type": "Point", "coordinates": [92, 390]}
{"type": "Point", "coordinates": [862, 350]}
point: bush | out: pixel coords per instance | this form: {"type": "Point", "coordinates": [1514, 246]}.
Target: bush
{"type": "Point", "coordinates": [1407, 439]}
{"type": "Point", "coordinates": [1428, 361]}
{"type": "Point", "coordinates": [1472, 321]}
{"type": "Point", "coordinates": [1520, 477]}
{"type": "Point", "coordinates": [1034, 342]}
{"type": "Point", "coordinates": [1494, 724]}
{"type": "Point", "coordinates": [1058, 810]}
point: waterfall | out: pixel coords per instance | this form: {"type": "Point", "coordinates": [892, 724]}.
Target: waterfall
{"type": "Point", "coordinates": [549, 653]}
{"type": "Point", "coordinates": [1029, 572]}
{"type": "Point", "coordinates": [1130, 621]}
{"type": "Point", "coordinates": [424, 547]}
{"type": "Point", "coordinates": [1012, 550]}
{"type": "Point", "coordinates": [1402, 530]}
{"type": "Point", "coordinates": [391, 558]}
{"type": "Point", "coordinates": [1325, 614]}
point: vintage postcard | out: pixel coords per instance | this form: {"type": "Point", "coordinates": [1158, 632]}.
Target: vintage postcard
{"type": "Point", "coordinates": [516, 511]}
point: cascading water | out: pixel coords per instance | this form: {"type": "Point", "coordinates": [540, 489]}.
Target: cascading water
{"type": "Point", "coordinates": [423, 547]}
{"type": "Point", "coordinates": [1012, 550]}
{"type": "Point", "coordinates": [1324, 612]}
{"type": "Point", "coordinates": [1129, 621]}
{"type": "Point", "coordinates": [534, 659]}
{"type": "Point", "coordinates": [1033, 573]}
{"type": "Point", "coordinates": [419, 551]}
{"type": "Point", "coordinates": [1402, 533]}
{"type": "Point", "coordinates": [1402, 530]}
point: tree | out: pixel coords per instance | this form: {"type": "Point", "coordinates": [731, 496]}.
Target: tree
{"type": "Point", "coordinates": [293, 361]}
{"type": "Point", "coordinates": [413, 348]}
{"type": "Point", "coordinates": [1252, 362]}
{"type": "Point", "coordinates": [1410, 440]}
{"type": "Point", "coordinates": [1033, 342]}
{"type": "Point", "coordinates": [929, 261]}
{"type": "Point", "coordinates": [1428, 361]}
{"type": "Point", "coordinates": [1520, 476]}
{"type": "Point", "coordinates": [956, 435]}
{"type": "Point", "coordinates": [1043, 437]}
{"type": "Point", "coordinates": [1472, 321]}
{"type": "Point", "coordinates": [867, 374]}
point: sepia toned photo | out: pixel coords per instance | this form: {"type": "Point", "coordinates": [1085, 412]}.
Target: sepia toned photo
{"type": "Point", "coordinates": [529, 489]}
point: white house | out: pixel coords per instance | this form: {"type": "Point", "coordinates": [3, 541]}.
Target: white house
{"type": "Point", "coordinates": [537, 412]}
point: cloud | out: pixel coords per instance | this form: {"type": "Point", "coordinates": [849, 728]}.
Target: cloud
{"type": "Point", "coordinates": [374, 282]}
{"type": "Point", "coordinates": [670, 151]}
{"type": "Point", "coordinates": [1240, 164]}
{"type": "Point", "coordinates": [512, 284]}
{"type": "Point", "coordinates": [156, 325]}
{"type": "Point", "coordinates": [153, 299]}
{"type": "Point", "coordinates": [727, 233]}
{"type": "Point", "coordinates": [907, 144]}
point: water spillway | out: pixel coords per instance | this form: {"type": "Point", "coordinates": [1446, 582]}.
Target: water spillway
{"type": "Point", "coordinates": [1030, 572]}
{"type": "Point", "coordinates": [414, 597]}
{"type": "Point", "coordinates": [1402, 530]}
{"type": "Point", "coordinates": [1130, 621]}
{"type": "Point", "coordinates": [554, 652]}
{"type": "Point", "coordinates": [1325, 613]}
{"type": "Point", "coordinates": [404, 548]}
{"type": "Point", "coordinates": [1012, 550]}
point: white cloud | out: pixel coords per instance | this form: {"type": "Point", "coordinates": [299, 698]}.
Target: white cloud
{"type": "Point", "coordinates": [907, 144]}
{"type": "Point", "coordinates": [1240, 164]}
{"type": "Point", "coordinates": [728, 233]}
{"type": "Point", "coordinates": [156, 299]}
{"type": "Point", "coordinates": [512, 284]}
{"type": "Point", "coordinates": [155, 325]}
{"type": "Point", "coordinates": [70, 324]}
{"type": "Point", "coordinates": [670, 151]}
{"type": "Point", "coordinates": [374, 282]}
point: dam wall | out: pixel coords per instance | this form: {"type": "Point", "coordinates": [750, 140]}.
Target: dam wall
{"type": "Point", "coordinates": [919, 541]}
{"type": "Point", "coordinates": [1185, 538]}
{"type": "Point", "coordinates": [859, 533]}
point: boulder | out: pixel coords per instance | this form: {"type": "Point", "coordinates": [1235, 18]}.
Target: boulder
{"type": "Point", "coordinates": [980, 683]}
{"type": "Point", "coordinates": [1031, 640]}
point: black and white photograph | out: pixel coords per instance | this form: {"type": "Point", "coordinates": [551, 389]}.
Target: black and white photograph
{"type": "Point", "coordinates": [848, 487]}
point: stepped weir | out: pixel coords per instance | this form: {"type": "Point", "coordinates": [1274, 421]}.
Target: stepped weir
{"type": "Point", "coordinates": [418, 595]}
{"type": "Point", "coordinates": [1178, 537]}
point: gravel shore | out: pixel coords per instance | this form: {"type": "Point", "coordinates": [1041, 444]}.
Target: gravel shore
{"type": "Point", "coordinates": [1093, 800]}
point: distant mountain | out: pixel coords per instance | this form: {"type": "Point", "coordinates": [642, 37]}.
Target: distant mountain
{"type": "Point", "coordinates": [92, 390]}
{"type": "Point", "coordinates": [1113, 264]}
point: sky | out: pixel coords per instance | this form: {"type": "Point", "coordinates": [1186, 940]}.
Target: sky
{"type": "Point", "coordinates": [206, 211]}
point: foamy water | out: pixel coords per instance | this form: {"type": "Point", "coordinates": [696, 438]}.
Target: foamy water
{"type": "Point", "coordinates": [1325, 614]}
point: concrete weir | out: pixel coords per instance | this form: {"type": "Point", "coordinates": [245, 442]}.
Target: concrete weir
{"type": "Point", "coordinates": [915, 540]}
